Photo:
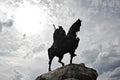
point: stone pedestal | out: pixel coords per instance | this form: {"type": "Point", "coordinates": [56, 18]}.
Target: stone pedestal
{"type": "Point", "coordinates": [70, 72]}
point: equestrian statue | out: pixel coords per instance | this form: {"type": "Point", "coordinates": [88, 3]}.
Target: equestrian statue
{"type": "Point", "coordinates": [64, 43]}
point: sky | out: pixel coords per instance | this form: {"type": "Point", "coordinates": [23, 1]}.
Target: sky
{"type": "Point", "coordinates": [26, 33]}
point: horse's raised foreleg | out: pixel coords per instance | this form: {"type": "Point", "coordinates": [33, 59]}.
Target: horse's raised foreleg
{"type": "Point", "coordinates": [60, 60]}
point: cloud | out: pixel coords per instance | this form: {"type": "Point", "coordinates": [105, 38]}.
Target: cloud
{"type": "Point", "coordinates": [104, 59]}
{"type": "Point", "coordinates": [99, 46]}
{"type": "Point", "coordinates": [91, 55]}
{"type": "Point", "coordinates": [108, 60]}
{"type": "Point", "coordinates": [115, 75]}
{"type": "Point", "coordinates": [18, 75]}
{"type": "Point", "coordinates": [0, 26]}
{"type": "Point", "coordinates": [5, 54]}
{"type": "Point", "coordinates": [40, 48]}
{"type": "Point", "coordinates": [8, 23]}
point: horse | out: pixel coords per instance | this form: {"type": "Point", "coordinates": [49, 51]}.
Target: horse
{"type": "Point", "coordinates": [68, 45]}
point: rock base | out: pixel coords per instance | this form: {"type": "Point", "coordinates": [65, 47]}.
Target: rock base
{"type": "Point", "coordinates": [70, 72]}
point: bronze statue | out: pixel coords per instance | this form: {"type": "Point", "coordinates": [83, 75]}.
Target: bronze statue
{"type": "Point", "coordinates": [64, 43]}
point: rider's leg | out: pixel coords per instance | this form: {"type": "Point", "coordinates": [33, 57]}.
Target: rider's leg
{"type": "Point", "coordinates": [75, 46]}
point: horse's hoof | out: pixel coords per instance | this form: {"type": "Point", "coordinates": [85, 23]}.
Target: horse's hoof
{"type": "Point", "coordinates": [70, 63]}
{"type": "Point", "coordinates": [49, 69]}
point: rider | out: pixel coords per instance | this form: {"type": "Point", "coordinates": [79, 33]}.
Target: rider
{"type": "Point", "coordinates": [58, 36]}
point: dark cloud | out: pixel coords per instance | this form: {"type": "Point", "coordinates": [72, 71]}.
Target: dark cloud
{"type": "Point", "coordinates": [45, 1]}
{"type": "Point", "coordinates": [103, 7]}
{"type": "Point", "coordinates": [7, 24]}
{"type": "Point", "coordinates": [18, 75]}
{"type": "Point", "coordinates": [0, 26]}
{"type": "Point", "coordinates": [108, 59]}
{"type": "Point", "coordinates": [91, 55]}
{"type": "Point", "coordinates": [5, 54]}
{"type": "Point", "coordinates": [116, 74]}
{"type": "Point", "coordinates": [104, 60]}
{"type": "Point", "coordinates": [59, 1]}
{"type": "Point", "coordinates": [19, 1]}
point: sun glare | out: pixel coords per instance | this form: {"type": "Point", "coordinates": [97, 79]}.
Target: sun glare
{"type": "Point", "coordinates": [30, 19]}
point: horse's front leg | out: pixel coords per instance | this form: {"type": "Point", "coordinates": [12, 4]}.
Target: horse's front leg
{"type": "Point", "coordinates": [72, 52]}
{"type": "Point", "coordinates": [71, 57]}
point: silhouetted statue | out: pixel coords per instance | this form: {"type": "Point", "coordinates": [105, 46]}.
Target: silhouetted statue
{"type": "Point", "coordinates": [64, 43]}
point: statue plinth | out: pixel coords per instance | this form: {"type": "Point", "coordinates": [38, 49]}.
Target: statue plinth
{"type": "Point", "coordinates": [70, 72]}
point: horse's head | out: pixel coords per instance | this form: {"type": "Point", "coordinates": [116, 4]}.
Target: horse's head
{"type": "Point", "coordinates": [76, 25]}
{"type": "Point", "coordinates": [74, 28]}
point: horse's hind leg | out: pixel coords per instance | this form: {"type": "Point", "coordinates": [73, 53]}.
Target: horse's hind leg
{"type": "Point", "coordinates": [50, 58]}
{"type": "Point", "coordinates": [50, 61]}
{"type": "Point", "coordinates": [60, 60]}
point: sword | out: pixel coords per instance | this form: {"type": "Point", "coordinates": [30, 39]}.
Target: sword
{"type": "Point", "coordinates": [54, 26]}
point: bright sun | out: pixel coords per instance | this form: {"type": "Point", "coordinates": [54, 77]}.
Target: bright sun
{"type": "Point", "coordinates": [30, 19]}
